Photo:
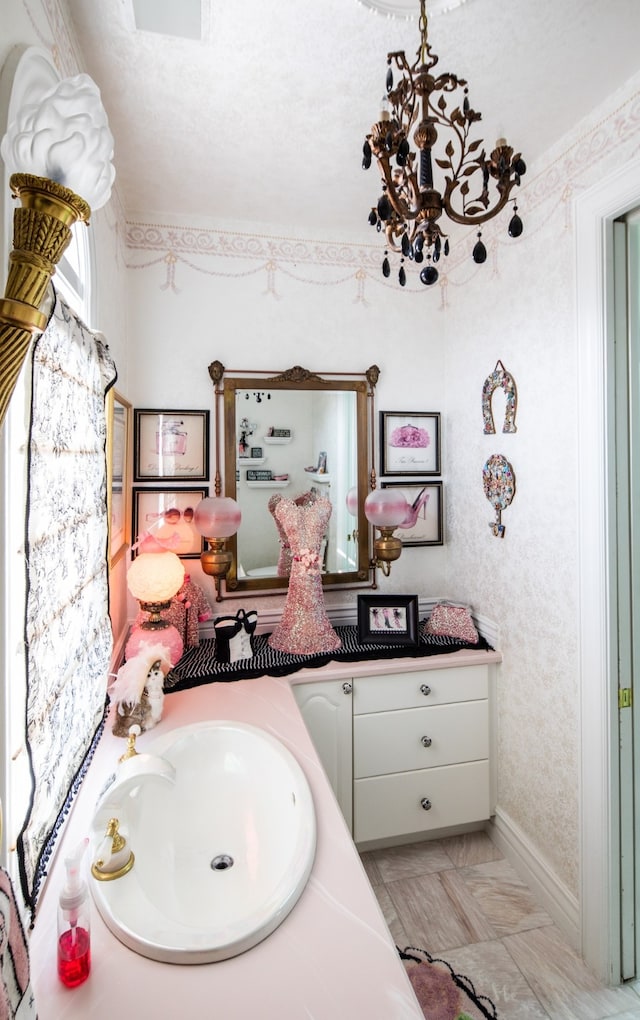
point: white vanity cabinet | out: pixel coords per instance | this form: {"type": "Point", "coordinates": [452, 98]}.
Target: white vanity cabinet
{"type": "Point", "coordinates": [326, 710]}
{"type": "Point", "coordinates": [421, 751]}
{"type": "Point", "coordinates": [407, 747]}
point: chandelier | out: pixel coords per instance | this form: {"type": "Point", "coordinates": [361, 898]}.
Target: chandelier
{"type": "Point", "coordinates": [475, 186]}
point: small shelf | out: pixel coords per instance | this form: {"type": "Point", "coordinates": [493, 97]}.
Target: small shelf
{"type": "Point", "coordinates": [250, 461]}
{"type": "Point", "coordinates": [276, 440]}
{"type": "Point", "coordinates": [321, 479]}
{"type": "Point", "coordinates": [269, 485]}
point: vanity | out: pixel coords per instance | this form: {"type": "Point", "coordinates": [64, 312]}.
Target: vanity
{"type": "Point", "coordinates": [319, 962]}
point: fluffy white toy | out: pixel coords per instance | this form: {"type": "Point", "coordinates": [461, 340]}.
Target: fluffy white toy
{"type": "Point", "coordinates": [138, 690]}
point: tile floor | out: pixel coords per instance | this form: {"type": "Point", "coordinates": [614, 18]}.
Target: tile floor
{"type": "Point", "coordinates": [459, 898]}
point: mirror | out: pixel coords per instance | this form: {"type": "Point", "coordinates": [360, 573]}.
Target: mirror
{"type": "Point", "coordinates": [296, 435]}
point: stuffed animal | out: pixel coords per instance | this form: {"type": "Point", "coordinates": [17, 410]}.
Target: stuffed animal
{"type": "Point", "coordinates": [138, 690]}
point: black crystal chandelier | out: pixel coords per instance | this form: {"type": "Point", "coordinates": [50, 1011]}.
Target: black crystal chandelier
{"type": "Point", "coordinates": [471, 187]}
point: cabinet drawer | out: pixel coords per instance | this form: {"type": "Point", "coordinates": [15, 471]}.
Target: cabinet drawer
{"type": "Point", "coordinates": [424, 687]}
{"type": "Point", "coordinates": [385, 742]}
{"type": "Point", "coordinates": [392, 805]}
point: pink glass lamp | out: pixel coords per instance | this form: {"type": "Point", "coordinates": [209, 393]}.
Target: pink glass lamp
{"type": "Point", "coordinates": [217, 518]}
{"type": "Point", "coordinates": [385, 510]}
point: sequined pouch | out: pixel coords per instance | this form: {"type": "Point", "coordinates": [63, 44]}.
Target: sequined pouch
{"type": "Point", "coordinates": [452, 621]}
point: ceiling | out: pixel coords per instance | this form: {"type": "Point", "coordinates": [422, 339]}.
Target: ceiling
{"type": "Point", "coordinates": [261, 119]}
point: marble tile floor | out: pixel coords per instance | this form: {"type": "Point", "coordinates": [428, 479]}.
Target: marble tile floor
{"type": "Point", "coordinates": [459, 898]}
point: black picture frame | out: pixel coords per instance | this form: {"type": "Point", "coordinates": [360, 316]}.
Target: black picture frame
{"type": "Point", "coordinates": [410, 443]}
{"type": "Point", "coordinates": [388, 620]}
{"type": "Point", "coordinates": [428, 527]}
{"type": "Point", "coordinates": [152, 510]}
{"type": "Point", "coordinates": [170, 444]}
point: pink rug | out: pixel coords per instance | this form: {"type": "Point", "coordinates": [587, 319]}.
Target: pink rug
{"type": "Point", "coordinates": [443, 994]}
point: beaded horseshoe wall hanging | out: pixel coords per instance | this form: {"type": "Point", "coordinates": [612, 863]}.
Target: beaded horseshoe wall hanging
{"type": "Point", "coordinates": [499, 379]}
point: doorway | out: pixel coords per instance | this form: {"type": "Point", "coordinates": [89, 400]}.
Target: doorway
{"type": "Point", "coordinates": [600, 770]}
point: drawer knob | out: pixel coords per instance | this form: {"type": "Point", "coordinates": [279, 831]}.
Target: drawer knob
{"type": "Point", "coordinates": [426, 741]}
{"type": "Point", "coordinates": [425, 689]}
{"type": "Point", "coordinates": [425, 803]}
{"type": "Point", "coordinates": [347, 687]}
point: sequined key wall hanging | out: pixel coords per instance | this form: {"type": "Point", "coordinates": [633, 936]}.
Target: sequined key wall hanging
{"type": "Point", "coordinates": [499, 483]}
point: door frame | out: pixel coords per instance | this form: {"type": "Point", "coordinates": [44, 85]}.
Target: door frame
{"type": "Point", "coordinates": [599, 852]}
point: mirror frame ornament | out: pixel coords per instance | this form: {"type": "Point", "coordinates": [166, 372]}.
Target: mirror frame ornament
{"type": "Point", "coordinates": [225, 426]}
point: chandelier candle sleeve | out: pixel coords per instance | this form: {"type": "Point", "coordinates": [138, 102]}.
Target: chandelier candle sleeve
{"type": "Point", "coordinates": [416, 114]}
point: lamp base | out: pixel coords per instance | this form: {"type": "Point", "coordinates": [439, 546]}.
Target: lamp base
{"type": "Point", "coordinates": [216, 561]}
{"type": "Point", "coordinates": [155, 621]}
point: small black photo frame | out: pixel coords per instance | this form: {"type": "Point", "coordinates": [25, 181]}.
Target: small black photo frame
{"type": "Point", "coordinates": [388, 619]}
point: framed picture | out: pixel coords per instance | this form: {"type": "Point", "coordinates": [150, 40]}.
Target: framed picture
{"type": "Point", "coordinates": [424, 526]}
{"type": "Point", "coordinates": [167, 514]}
{"type": "Point", "coordinates": [119, 474]}
{"type": "Point", "coordinates": [388, 619]}
{"type": "Point", "coordinates": [170, 444]}
{"type": "Point", "coordinates": [410, 443]}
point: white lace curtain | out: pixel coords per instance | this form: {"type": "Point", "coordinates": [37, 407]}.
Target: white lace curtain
{"type": "Point", "coordinates": [67, 628]}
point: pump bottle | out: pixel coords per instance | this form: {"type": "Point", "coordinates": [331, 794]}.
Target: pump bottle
{"type": "Point", "coordinates": [74, 945]}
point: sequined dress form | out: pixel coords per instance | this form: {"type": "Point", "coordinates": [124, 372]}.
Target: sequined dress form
{"type": "Point", "coordinates": [304, 628]}
{"type": "Point", "coordinates": [284, 558]}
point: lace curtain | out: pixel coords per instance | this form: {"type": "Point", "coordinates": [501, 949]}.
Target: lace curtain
{"type": "Point", "coordinates": [67, 629]}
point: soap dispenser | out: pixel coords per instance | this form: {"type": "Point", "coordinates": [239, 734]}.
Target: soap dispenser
{"type": "Point", "coordinates": [74, 945]}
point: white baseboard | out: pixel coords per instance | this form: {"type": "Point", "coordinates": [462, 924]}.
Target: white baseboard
{"type": "Point", "coordinates": [548, 890]}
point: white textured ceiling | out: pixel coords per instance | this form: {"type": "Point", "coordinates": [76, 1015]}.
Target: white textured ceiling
{"type": "Point", "coordinates": [263, 120]}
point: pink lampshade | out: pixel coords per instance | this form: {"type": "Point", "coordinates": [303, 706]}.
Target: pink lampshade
{"type": "Point", "coordinates": [385, 508]}
{"type": "Point", "coordinates": [352, 501]}
{"type": "Point", "coordinates": [217, 517]}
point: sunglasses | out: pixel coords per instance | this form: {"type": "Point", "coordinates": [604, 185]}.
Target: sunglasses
{"type": "Point", "coordinates": [172, 515]}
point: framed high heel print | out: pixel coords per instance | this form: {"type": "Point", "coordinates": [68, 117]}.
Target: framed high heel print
{"type": "Point", "coordinates": [167, 514]}
{"type": "Point", "coordinates": [423, 524]}
{"type": "Point", "coordinates": [410, 443]}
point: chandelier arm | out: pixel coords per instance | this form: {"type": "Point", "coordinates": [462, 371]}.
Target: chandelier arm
{"type": "Point", "coordinates": [476, 220]}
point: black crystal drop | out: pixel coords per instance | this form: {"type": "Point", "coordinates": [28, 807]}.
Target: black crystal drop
{"type": "Point", "coordinates": [384, 207]}
{"type": "Point", "coordinates": [479, 252]}
{"type": "Point", "coordinates": [389, 80]}
{"type": "Point", "coordinates": [418, 256]}
{"type": "Point", "coordinates": [436, 255]}
{"type": "Point", "coordinates": [429, 275]}
{"type": "Point", "coordinates": [373, 217]}
{"type": "Point", "coordinates": [446, 247]}
{"type": "Point", "coordinates": [403, 148]}
{"type": "Point", "coordinates": [366, 155]}
{"type": "Point", "coordinates": [520, 167]}
{"type": "Point", "coordinates": [386, 268]}
{"type": "Point", "coordinates": [515, 226]}
{"type": "Point", "coordinates": [402, 276]}
{"type": "Point", "coordinates": [405, 244]}
{"type": "Point", "coordinates": [418, 244]}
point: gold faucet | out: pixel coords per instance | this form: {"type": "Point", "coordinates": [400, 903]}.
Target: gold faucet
{"type": "Point", "coordinates": [114, 860]}
{"type": "Point", "coordinates": [131, 752]}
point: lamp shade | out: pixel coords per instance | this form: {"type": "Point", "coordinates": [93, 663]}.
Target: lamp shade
{"type": "Point", "coordinates": [155, 577]}
{"type": "Point", "coordinates": [65, 137]}
{"type": "Point", "coordinates": [385, 508]}
{"type": "Point", "coordinates": [352, 501]}
{"type": "Point", "coordinates": [217, 517]}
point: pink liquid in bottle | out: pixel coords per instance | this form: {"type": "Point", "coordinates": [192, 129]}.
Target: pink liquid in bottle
{"type": "Point", "coordinates": [74, 956]}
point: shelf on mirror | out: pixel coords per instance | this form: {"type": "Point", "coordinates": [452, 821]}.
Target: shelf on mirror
{"type": "Point", "coordinates": [273, 484]}
{"type": "Point", "coordinates": [276, 440]}
{"type": "Point", "coordinates": [250, 461]}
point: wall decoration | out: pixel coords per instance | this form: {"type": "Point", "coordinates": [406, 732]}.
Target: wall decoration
{"type": "Point", "coordinates": [119, 472]}
{"type": "Point", "coordinates": [167, 514]}
{"type": "Point", "coordinates": [171, 444]}
{"type": "Point", "coordinates": [409, 443]}
{"type": "Point", "coordinates": [423, 524]}
{"type": "Point", "coordinates": [499, 379]}
{"type": "Point", "coordinates": [499, 483]}
{"type": "Point", "coordinates": [388, 619]}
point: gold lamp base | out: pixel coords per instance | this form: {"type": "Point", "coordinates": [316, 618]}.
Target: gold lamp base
{"type": "Point", "coordinates": [41, 233]}
{"type": "Point", "coordinates": [386, 549]}
{"type": "Point", "coordinates": [216, 561]}
{"type": "Point", "coordinates": [155, 621]}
